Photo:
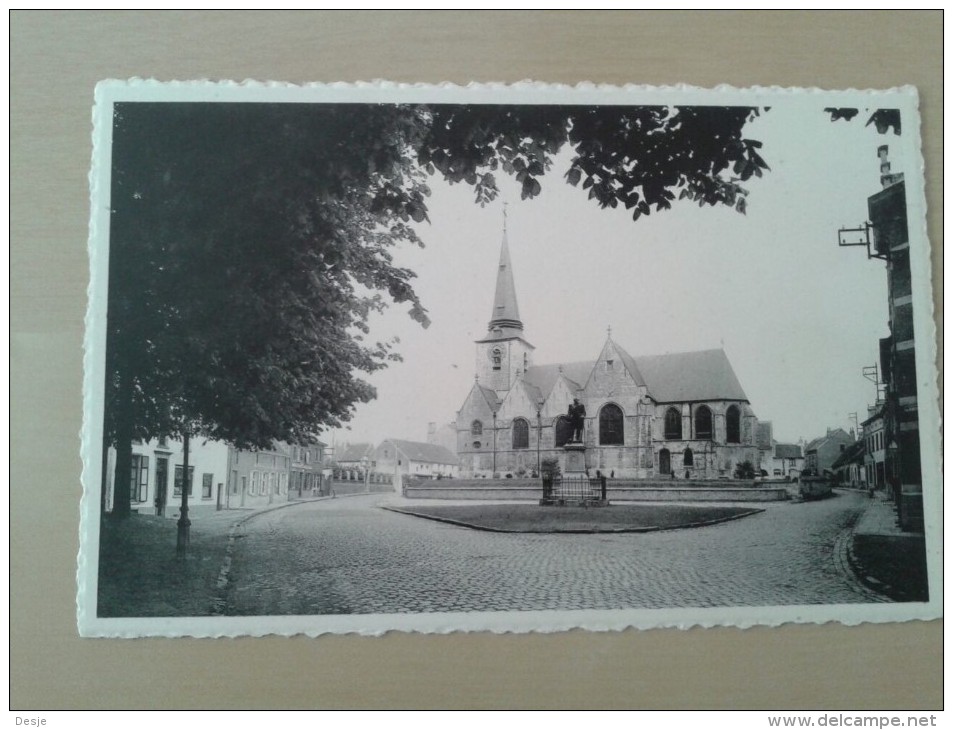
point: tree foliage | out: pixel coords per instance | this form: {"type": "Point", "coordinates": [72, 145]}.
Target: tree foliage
{"type": "Point", "coordinates": [249, 243]}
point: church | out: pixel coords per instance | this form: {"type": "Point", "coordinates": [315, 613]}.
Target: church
{"type": "Point", "coordinates": [673, 416]}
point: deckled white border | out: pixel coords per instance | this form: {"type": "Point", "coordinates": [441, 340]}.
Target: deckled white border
{"type": "Point", "coordinates": [526, 92]}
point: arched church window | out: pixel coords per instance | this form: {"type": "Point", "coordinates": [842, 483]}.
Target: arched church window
{"type": "Point", "coordinates": [611, 426]}
{"type": "Point", "coordinates": [476, 428]}
{"type": "Point", "coordinates": [563, 431]}
{"type": "Point", "coordinates": [520, 433]}
{"type": "Point", "coordinates": [688, 458]}
{"type": "Point", "coordinates": [733, 425]}
{"type": "Point", "coordinates": [497, 359]}
{"type": "Point", "coordinates": [476, 444]}
{"type": "Point", "coordinates": [673, 424]}
{"type": "Point", "coordinates": [703, 422]}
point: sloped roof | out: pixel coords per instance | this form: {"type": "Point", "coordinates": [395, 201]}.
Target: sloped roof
{"type": "Point", "coordinates": [836, 433]}
{"type": "Point", "coordinates": [355, 452]}
{"type": "Point", "coordinates": [491, 397]}
{"type": "Point", "coordinates": [670, 378]}
{"type": "Point", "coordinates": [544, 377]}
{"type": "Point", "coordinates": [532, 391]}
{"type": "Point", "coordinates": [853, 453]}
{"type": "Point", "coordinates": [787, 451]}
{"type": "Point", "coordinates": [630, 364]}
{"type": "Point", "coordinates": [424, 452]}
{"type": "Point", "coordinates": [690, 376]}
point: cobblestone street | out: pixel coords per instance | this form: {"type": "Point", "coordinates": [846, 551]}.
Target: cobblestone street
{"type": "Point", "coordinates": [349, 556]}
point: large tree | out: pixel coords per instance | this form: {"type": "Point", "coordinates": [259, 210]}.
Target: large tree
{"type": "Point", "coordinates": [250, 242]}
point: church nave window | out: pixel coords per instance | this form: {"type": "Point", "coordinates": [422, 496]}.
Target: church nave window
{"type": "Point", "coordinates": [703, 423]}
{"type": "Point", "coordinates": [563, 431]}
{"type": "Point", "coordinates": [733, 425]}
{"type": "Point", "coordinates": [673, 424]}
{"type": "Point", "coordinates": [520, 433]}
{"type": "Point", "coordinates": [476, 428]}
{"type": "Point", "coordinates": [611, 426]}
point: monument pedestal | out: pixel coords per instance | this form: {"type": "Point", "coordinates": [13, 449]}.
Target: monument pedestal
{"type": "Point", "coordinates": [574, 462]}
{"type": "Point", "coordinates": [573, 487]}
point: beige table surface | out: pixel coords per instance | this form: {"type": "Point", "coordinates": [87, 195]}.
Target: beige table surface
{"type": "Point", "coordinates": [56, 58]}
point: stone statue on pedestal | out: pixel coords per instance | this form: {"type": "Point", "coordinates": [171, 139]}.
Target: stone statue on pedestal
{"type": "Point", "coordinates": [577, 419]}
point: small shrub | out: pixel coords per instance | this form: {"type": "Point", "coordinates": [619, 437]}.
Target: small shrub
{"type": "Point", "coordinates": [744, 470]}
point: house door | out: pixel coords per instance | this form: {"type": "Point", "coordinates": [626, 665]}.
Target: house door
{"type": "Point", "coordinates": [162, 484]}
{"type": "Point", "coordinates": [664, 462]}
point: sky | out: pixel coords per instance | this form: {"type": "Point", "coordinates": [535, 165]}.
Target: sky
{"type": "Point", "coordinates": [798, 316]}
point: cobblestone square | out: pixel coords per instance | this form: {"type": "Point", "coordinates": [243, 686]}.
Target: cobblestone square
{"type": "Point", "coordinates": [350, 556]}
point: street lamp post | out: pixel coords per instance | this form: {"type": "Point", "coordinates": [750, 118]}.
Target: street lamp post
{"type": "Point", "coordinates": [539, 433]}
{"type": "Point", "coordinates": [182, 537]}
{"type": "Point", "coordinates": [494, 445]}
{"type": "Point", "coordinates": [367, 485]}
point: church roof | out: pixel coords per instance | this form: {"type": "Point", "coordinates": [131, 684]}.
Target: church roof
{"type": "Point", "coordinates": [675, 377]}
{"type": "Point", "coordinates": [491, 397]}
{"type": "Point", "coordinates": [534, 392]}
{"type": "Point", "coordinates": [544, 377]}
{"type": "Point", "coordinates": [690, 376]}
{"type": "Point", "coordinates": [630, 364]}
{"type": "Point", "coordinates": [423, 452]}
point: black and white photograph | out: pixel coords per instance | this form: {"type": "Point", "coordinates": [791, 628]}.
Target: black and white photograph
{"type": "Point", "coordinates": [378, 357]}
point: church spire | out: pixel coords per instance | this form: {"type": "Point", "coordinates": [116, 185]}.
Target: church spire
{"type": "Point", "coordinates": [506, 314]}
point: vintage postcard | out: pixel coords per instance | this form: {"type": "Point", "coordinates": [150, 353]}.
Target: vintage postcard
{"type": "Point", "coordinates": [378, 357]}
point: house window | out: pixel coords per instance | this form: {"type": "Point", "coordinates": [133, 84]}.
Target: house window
{"type": "Point", "coordinates": [733, 425]}
{"type": "Point", "coordinates": [673, 424]}
{"type": "Point", "coordinates": [476, 428]}
{"type": "Point", "coordinates": [206, 486]}
{"type": "Point", "coordinates": [255, 480]}
{"type": "Point", "coordinates": [611, 426]}
{"type": "Point", "coordinates": [520, 433]}
{"type": "Point", "coordinates": [703, 422]}
{"type": "Point", "coordinates": [688, 459]}
{"type": "Point", "coordinates": [139, 482]}
{"type": "Point", "coordinates": [497, 359]}
{"type": "Point", "coordinates": [177, 489]}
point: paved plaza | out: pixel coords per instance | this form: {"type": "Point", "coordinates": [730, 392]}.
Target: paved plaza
{"type": "Point", "coordinates": [348, 555]}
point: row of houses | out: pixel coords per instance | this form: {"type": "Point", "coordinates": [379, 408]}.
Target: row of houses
{"type": "Point", "coordinates": [400, 457]}
{"type": "Point", "coordinates": [220, 476]}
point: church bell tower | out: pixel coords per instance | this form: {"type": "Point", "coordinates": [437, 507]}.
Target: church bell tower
{"type": "Point", "coordinates": [503, 353]}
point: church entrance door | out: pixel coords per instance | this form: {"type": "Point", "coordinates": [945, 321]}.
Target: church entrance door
{"type": "Point", "coordinates": [664, 462]}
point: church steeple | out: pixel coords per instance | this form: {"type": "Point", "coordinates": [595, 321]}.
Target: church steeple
{"type": "Point", "coordinates": [506, 313]}
{"type": "Point", "coordinates": [503, 355]}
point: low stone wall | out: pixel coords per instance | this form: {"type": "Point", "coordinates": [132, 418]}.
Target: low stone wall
{"type": "Point", "coordinates": [814, 487]}
{"type": "Point", "coordinates": [617, 490]}
{"type": "Point", "coordinates": [486, 491]}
